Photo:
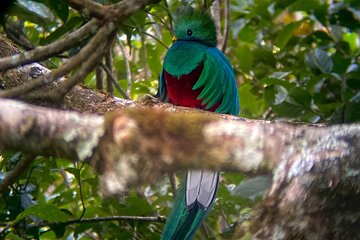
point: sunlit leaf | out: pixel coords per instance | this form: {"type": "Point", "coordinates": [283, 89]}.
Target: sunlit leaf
{"type": "Point", "coordinates": [353, 40]}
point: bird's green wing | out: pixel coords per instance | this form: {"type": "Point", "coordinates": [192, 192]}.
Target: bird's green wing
{"type": "Point", "coordinates": [218, 82]}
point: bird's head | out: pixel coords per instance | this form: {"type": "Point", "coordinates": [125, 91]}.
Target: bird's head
{"type": "Point", "coordinates": [194, 25]}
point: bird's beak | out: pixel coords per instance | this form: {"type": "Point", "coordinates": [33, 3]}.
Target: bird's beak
{"type": "Point", "coordinates": [174, 38]}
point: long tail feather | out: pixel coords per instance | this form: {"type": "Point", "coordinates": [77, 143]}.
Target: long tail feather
{"type": "Point", "coordinates": [184, 220]}
{"type": "Point", "coordinates": [182, 223]}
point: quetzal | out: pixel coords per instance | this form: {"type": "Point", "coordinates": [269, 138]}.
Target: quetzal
{"type": "Point", "coordinates": [196, 74]}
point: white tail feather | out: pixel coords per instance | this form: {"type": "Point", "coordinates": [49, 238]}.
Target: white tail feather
{"type": "Point", "coordinates": [201, 187]}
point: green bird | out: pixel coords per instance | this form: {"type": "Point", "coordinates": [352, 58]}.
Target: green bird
{"type": "Point", "coordinates": [196, 74]}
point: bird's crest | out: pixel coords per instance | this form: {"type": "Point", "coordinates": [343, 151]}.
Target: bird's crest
{"type": "Point", "coordinates": [195, 25]}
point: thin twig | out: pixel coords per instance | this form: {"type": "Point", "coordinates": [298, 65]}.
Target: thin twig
{"type": "Point", "coordinates": [155, 38]}
{"type": "Point", "coordinates": [117, 13]}
{"type": "Point", "coordinates": [155, 25]}
{"type": "Point", "coordinates": [226, 25]}
{"type": "Point", "coordinates": [74, 62]}
{"type": "Point", "coordinates": [12, 176]}
{"type": "Point", "coordinates": [160, 21]}
{"type": "Point", "coordinates": [140, 31]}
{"type": "Point", "coordinates": [160, 219]}
{"type": "Point", "coordinates": [99, 78]}
{"type": "Point", "coordinates": [123, 9]}
{"type": "Point", "coordinates": [205, 229]}
{"type": "Point", "coordinates": [89, 7]}
{"type": "Point", "coordinates": [80, 188]}
{"type": "Point", "coordinates": [110, 73]}
{"type": "Point", "coordinates": [172, 178]}
{"type": "Point", "coordinates": [56, 95]}
{"type": "Point", "coordinates": [28, 177]}
{"type": "Point", "coordinates": [143, 55]}
{"type": "Point", "coordinates": [215, 11]}
{"type": "Point", "coordinates": [93, 61]}
{"type": "Point", "coordinates": [127, 66]}
{"type": "Point", "coordinates": [55, 48]}
{"type": "Point", "coordinates": [102, 219]}
{"type": "Point", "coordinates": [112, 78]}
{"type": "Point", "coordinates": [6, 227]}
{"type": "Point", "coordinates": [169, 15]}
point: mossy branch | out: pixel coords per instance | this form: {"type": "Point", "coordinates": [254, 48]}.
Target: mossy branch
{"type": "Point", "coordinates": [137, 145]}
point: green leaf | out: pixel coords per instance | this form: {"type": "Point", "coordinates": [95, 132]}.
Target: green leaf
{"type": "Point", "coordinates": [319, 61]}
{"type": "Point", "coordinates": [137, 206]}
{"type": "Point", "coordinates": [60, 7]}
{"type": "Point", "coordinates": [74, 171]}
{"type": "Point", "coordinates": [264, 55]}
{"type": "Point", "coordinates": [59, 230]}
{"type": "Point", "coordinates": [154, 55]}
{"type": "Point", "coordinates": [281, 95]}
{"type": "Point", "coordinates": [245, 58]}
{"type": "Point", "coordinates": [341, 63]}
{"type": "Point", "coordinates": [288, 110]}
{"type": "Point", "coordinates": [37, 7]}
{"type": "Point", "coordinates": [353, 40]}
{"type": "Point", "coordinates": [24, 13]}
{"type": "Point", "coordinates": [248, 34]}
{"type": "Point", "coordinates": [15, 158]}
{"type": "Point", "coordinates": [36, 11]}
{"type": "Point", "coordinates": [251, 105]}
{"type": "Point", "coordinates": [300, 96]}
{"type": "Point", "coordinates": [275, 81]}
{"type": "Point", "coordinates": [47, 235]}
{"type": "Point", "coordinates": [351, 110]}
{"type": "Point", "coordinates": [139, 18]}
{"type": "Point", "coordinates": [286, 34]}
{"type": "Point", "coordinates": [308, 5]}
{"type": "Point", "coordinates": [13, 236]}
{"type": "Point", "coordinates": [253, 187]}
{"type": "Point", "coordinates": [346, 16]}
{"type": "Point", "coordinates": [46, 212]}
{"type": "Point", "coordinates": [67, 27]}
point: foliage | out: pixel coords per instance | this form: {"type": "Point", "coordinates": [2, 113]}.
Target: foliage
{"type": "Point", "coordinates": [297, 60]}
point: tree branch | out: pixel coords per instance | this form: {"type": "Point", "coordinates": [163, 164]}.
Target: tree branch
{"type": "Point", "coordinates": [127, 66]}
{"type": "Point", "coordinates": [114, 81]}
{"type": "Point", "coordinates": [89, 7]}
{"type": "Point", "coordinates": [114, 14]}
{"type": "Point", "coordinates": [103, 219]}
{"type": "Point", "coordinates": [226, 25]}
{"type": "Point", "coordinates": [136, 146]}
{"type": "Point", "coordinates": [57, 47]}
{"type": "Point", "coordinates": [82, 56]}
{"type": "Point", "coordinates": [160, 219]}
{"type": "Point", "coordinates": [12, 176]}
{"type": "Point", "coordinates": [110, 79]}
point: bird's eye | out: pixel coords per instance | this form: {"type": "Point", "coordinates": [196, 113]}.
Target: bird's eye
{"type": "Point", "coordinates": [189, 32]}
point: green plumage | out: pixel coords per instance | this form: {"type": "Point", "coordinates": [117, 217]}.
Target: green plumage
{"type": "Point", "coordinates": [182, 223]}
{"type": "Point", "coordinates": [200, 23]}
{"type": "Point", "coordinates": [177, 63]}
